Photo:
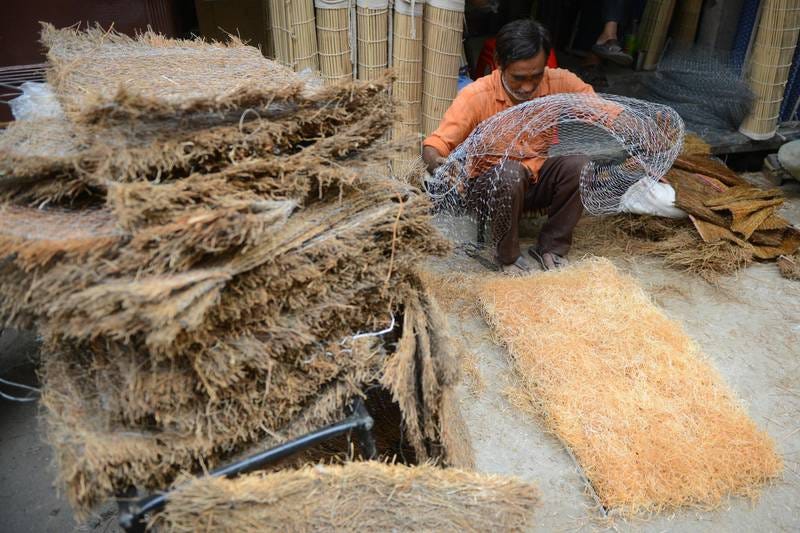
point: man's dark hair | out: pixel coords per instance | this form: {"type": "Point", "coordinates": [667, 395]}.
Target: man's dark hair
{"type": "Point", "coordinates": [521, 39]}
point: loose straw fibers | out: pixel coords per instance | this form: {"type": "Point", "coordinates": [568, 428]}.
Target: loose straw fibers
{"type": "Point", "coordinates": [358, 496]}
{"type": "Point", "coordinates": [333, 29]}
{"type": "Point", "coordinates": [441, 59]}
{"type": "Point", "coordinates": [653, 425]}
{"type": "Point", "coordinates": [769, 65]}
{"type": "Point", "coordinates": [372, 19]}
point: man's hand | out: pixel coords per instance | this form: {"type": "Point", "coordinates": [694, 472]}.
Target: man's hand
{"type": "Point", "coordinates": [432, 159]}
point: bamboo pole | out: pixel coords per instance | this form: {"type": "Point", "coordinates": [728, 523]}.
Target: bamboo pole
{"type": "Point", "coordinates": [687, 16]}
{"type": "Point", "coordinates": [442, 49]}
{"type": "Point", "coordinates": [333, 38]}
{"type": "Point", "coordinates": [373, 38]}
{"type": "Point", "coordinates": [769, 64]}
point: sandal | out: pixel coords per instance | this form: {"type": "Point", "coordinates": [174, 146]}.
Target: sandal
{"type": "Point", "coordinates": [548, 260]}
{"type": "Point", "coordinates": [612, 50]}
{"type": "Point", "coordinates": [517, 268]}
{"type": "Point", "coordinates": [477, 252]}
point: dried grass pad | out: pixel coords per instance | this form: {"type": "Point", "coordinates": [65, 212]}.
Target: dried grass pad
{"type": "Point", "coordinates": [353, 497]}
{"type": "Point", "coordinates": [651, 422]}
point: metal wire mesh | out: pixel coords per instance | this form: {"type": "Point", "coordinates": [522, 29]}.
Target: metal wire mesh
{"type": "Point", "coordinates": [625, 140]}
{"type": "Point", "coordinates": [704, 86]}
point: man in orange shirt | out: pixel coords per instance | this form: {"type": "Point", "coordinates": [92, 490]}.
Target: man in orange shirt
{"type": "Point", "coordinates": [522, 50]}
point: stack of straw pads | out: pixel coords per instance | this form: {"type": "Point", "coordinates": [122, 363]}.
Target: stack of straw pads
{"type": "Point", "coordinates": [725, 208]}
{"type": "Point", "coordinates": [209, 248]}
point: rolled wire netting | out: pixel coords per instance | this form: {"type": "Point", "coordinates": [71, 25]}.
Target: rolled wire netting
{"type": "Point", "coordinates": [625, 141]}
{"type": "Point", "coordinates": [704, 86]}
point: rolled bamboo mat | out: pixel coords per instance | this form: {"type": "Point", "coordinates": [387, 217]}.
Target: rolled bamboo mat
{"type": "Point", "coordinates": [687, 15]}
{"type": "Point", "coordinates": [333, 39]}
{"type": "Point", "coordinates": [407, 64]}
{"type": "Point", "coordinates": [769, 64]}
{"type": "Point", "coordinates": [653, 32]}
{"type": "Point", "coordinates": [269, 43]}
{"type": "Point", "coordinates": [304, 35]}
{"type": "Point", "coordinates": [373, 38]}
{"type": "Point", "coordinates": [281, 32]}
{"type": "Point", "coordinates": [442, 48]}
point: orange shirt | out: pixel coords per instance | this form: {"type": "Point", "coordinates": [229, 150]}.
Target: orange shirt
{"type": "Point", "coordinates": [487, 97]}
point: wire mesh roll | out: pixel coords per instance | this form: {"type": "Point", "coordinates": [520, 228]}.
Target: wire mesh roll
{"type": "Point", "coordinates": [304, 35]}
{"type": "Point", "coordinates": [333, 39]}
{"type": "Point", "coordinates": [407, 64]}
{"type": "Point", "coordinates": [373, 38]}
{"type": "Point", "coordinates": [442, 31]}
{"type": "Point", "coordinates": [769, 64]}
{"type": "Point", "coordinates": [687, 15]}
{"type": "Point", "coordinates": [653, 33]}
{"type": "Point", "coordinates": [791, 95]}
{"type": "Point", "coordinates": [281, 32]}
{"type": "Point", "coordinates": [744, 32]}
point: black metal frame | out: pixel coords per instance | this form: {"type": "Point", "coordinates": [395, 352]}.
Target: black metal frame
{"type": "Point", "coordinates": [132, 515]}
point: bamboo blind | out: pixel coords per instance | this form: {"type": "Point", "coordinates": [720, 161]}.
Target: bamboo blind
{"type": "Point", "coordinates": [441, 60]}
{"type": "Point", "coordinates": [281, 32]}
{"type": "Point", "coordinates": [769, 64]}
{"type": "Point", "coordinates": [373, 38]}
{"type": "Point", "coordinates": [269, 43]}
{"type": "Point", "coordinates": [407, 62]}
{"type": "Point", "coordinates": [304, 34]}
{"type": "Point", "coordinates": [687, 15]}
{"type": "Point", "coordinates": [333, 38]}
{"type": "Point", "coordinates": [653, 32]}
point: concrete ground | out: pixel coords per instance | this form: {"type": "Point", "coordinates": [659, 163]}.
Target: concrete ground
{"type": "Point", "coordinates": [31, 502]}
{"type": "Point", "coordinates": [749, 325]}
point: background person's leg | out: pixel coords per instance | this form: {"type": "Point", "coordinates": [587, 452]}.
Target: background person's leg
{"type": "Point", "coordinates": [558, 191]}
{"type": "Point", "coordinates": [608, 45]}
{"type": "Point", "coordinates": [613, 11]}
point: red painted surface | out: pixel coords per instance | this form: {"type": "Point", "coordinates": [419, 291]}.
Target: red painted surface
{"type": "Point", "coordinates": [19, 25]}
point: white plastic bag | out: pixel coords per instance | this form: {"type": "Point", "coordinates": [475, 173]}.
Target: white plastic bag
{"type": "Point", "coordinates": [646, 197]}
{"type": "Point", "coordinates": [36, 101]}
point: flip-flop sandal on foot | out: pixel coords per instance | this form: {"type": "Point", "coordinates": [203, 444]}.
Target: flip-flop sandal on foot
{"type": "Point", "coordinates": [548, 260]}
{"type": "Point", "coordinates": [477, 252]}
{"type": "Point", "coordinates": [613, 51]}
{"type": "Point", "coordinates": [517, 268]}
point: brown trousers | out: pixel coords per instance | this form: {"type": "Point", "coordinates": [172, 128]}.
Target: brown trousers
{"type": "Point", "coordinates": [507, 192]}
